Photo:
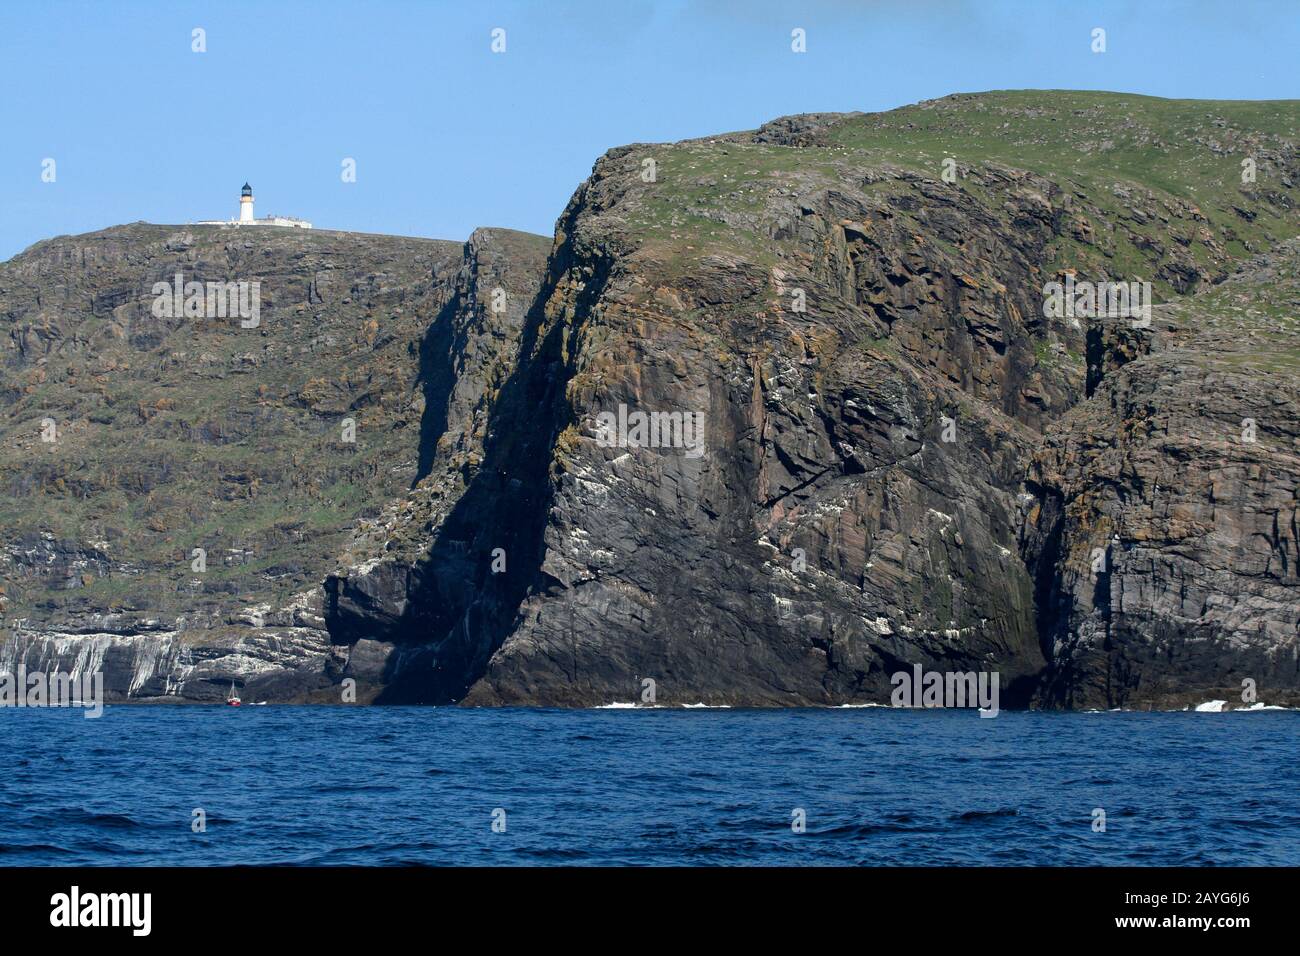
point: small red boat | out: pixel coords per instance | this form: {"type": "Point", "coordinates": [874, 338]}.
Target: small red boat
{"type": "Point", "coordinates": [233, 700]}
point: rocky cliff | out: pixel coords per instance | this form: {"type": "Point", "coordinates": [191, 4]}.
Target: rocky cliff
{"type": "Point", "coordinates": [866, 444]}
{"type": "Point", "coordinates": [893, 470]}
{"type": "Point", "coordinates": [1165, 528]}
{"type": "Point", "coordinates": [175, 486]}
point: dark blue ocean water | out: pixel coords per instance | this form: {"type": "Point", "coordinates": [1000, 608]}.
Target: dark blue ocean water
{"type": "Point", "coordinates": [304, 785]}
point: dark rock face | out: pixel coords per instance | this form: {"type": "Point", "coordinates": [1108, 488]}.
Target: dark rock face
{"type": "Point", "coordinates": [826, 535]}
{"type": "Point", "coordinates": [1166, 525]}
{"type": "Point", "coordinates": [889, 474]}
{"type": "Point", "coordinates": [874, 448]}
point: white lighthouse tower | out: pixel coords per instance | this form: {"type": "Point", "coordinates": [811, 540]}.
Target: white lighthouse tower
{"type": "Point", "coordinates": [246, 215]}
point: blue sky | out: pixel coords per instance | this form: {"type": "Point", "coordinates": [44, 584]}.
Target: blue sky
{"type": "Point", "coordinates": [447, 135]}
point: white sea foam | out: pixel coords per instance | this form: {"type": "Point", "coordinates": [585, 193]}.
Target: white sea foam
{"type": "Point", "coordinates": [1260, 706]}
{"type": "Point", "coordinates": [1220, 707]}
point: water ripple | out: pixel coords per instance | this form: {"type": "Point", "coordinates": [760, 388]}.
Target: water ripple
{"type": "Point", "coordinates": [303, 786]}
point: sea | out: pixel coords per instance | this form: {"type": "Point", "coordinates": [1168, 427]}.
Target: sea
{"type": "Point", "coordinates": [341, 786]}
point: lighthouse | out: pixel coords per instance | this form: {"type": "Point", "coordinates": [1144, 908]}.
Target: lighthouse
{"type": "Point", "coordinates": [246, 215]}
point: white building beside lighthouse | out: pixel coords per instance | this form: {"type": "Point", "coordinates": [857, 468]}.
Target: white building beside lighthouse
{"type": "Point", "coordinates": [246, 215]}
